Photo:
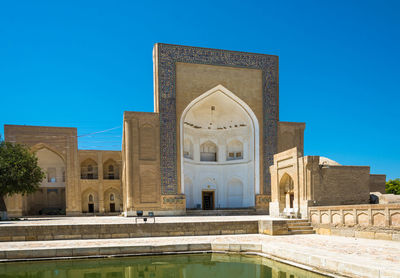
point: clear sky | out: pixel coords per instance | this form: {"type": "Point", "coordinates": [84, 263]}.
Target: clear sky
{"type": "Point", "coordinates": [82, 63]}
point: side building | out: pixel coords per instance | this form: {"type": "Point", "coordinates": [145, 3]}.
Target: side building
{"type": "Point", "coordinates": [77, 182]}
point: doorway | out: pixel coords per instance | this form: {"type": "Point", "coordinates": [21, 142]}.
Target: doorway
{"type": "Point", "coordinates": [208, 200]}
{"type": "Point", "coordinates": [91, 208]}
{"type": "Point", "coordinates": [291, 199]}
{"type": "Point", "coordinates": [112, 207]}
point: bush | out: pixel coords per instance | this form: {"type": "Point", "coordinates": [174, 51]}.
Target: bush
{"type": "Point", "coordinates": [393, 186]}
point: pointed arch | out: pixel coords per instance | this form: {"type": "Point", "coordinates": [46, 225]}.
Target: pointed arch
{"type": "Point", "coordinates": [254, 125]}
{"type": "Point", "coordinates": [235, 192]}
{"type": "Point", "coordinates": [286, 192]}
{"type": "Point", "coordinates": [40, 146]}
{"type": "Point", "coordinates": [90, 200]}
{"type": "Point", "coordinates": [89, 169]}
{"type": "Point", "coordinates": [110, 169]}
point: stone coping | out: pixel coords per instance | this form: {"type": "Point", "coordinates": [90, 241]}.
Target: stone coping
{"type": "Point", "coordinates": [360, 206]}
{"type": "Point", "coordinates": [359, 232]}
{"type": "Point", "coordinates": [93, 220]}
{"type": "Point", "coordinates": [336, 255]}
{"type": "Point", "coordinates": [110, 231]}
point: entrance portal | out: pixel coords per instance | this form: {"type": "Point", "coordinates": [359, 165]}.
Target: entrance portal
{"type": "Point", "coordinates": [208, 200]}
{"type": "Point", "coordinates": [219, 143]}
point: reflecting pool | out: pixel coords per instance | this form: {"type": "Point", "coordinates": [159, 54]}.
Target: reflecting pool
{"type": "Point", "coordinates": [167, 266]}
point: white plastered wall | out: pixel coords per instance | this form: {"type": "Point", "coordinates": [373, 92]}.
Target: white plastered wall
{"type": "Point", "coordinates": [235, 182]}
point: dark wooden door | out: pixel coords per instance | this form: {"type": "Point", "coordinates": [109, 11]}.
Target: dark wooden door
{"type": "Point", "coordinates": [208, 200]}
{"type": "Point", "coordinates": [112, 207]}
{"type": "Point", "coordinates": [91, 208]}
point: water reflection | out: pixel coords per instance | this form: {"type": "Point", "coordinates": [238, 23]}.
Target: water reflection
{"type": "Point", "coordinates": [174, 266]}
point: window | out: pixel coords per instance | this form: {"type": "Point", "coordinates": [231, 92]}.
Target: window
{"type": "Point", "coordinates": [208, 151]}
{"type": "Point", "coordinates": [51, 175]}
{"type": "Point", "coordinates": [90, 198]}
{"type": "Point", "coordinates": [110, 170]}
{"type": "Point", "coordinates": [112, 197]}
{"type": "Point", "coordinates": [90, 175]}
{"type": "Point", "coordinates": [89, 169]}
{"type": "Point", "coordinates": [111, 175]}
{"type": "Point", "coordinates": [235, 150]}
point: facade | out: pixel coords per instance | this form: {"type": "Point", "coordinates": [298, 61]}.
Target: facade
{"type": "Point", "coordinates": [300, 182]}
{"type": "Point", "coordinates": [214, 141]}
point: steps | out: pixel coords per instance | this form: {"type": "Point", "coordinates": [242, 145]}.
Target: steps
{"type": "Point", "coordinates": [300, 227]}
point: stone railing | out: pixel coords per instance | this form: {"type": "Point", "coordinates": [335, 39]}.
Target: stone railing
{"type": "Point", "coordinates": [365, 221]}
{"type": "Point", "coordinates": [382, 215]}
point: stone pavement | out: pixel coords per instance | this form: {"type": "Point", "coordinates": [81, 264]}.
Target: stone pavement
{"type": "Point", "coordinates": [351, 257]}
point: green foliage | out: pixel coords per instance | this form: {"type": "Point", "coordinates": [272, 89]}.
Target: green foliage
{"type": "Point", "coordinates": [393, 186]}
{"type": "Point", "coordinates": [19, 170]}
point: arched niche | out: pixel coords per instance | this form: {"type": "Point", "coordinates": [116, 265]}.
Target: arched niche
{"type": "Point", "coordinates": [208, 151]}
{"type": "Point", "coordinates": [234, 150]}
{"type": "Point", "coordinates": [112, 200]}
{"type": "Point", "coordinates": [110, 170]}
{"type": "Point", "coordinates": [89, 169]}
{"type": "Point", "coordinates": [53, 165]}
{"type": "Point", "coordinates": [286, 192]}
{"type": "Point", "coordinates": [90, 201]}
{"type": "Point", "coordinates": [213, 121]}
{"type": "Point", "coordinates": [235, 193]}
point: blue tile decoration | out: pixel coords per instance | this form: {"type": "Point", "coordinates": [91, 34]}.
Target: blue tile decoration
{"type": "Point", "coordinates": [168, 56]}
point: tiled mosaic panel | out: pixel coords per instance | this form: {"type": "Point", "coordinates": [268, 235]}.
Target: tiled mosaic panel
{"type": "Point", "coordinates": [168, 55]}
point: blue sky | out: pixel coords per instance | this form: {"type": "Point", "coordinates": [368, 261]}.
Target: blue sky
{"type": "Point", "coordinates": [82, 63]}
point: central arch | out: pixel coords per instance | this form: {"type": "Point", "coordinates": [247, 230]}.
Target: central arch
{"type": "Point", "coordinates": [226, 120]}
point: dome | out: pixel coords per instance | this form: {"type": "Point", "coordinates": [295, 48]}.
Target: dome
{"type": "Point", "coordinates": [327, 161]}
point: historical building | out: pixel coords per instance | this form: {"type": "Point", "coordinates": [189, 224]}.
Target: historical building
{"type": "Point", "coordinates": [214, 141]}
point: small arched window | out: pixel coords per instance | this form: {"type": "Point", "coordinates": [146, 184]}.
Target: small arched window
{"type": "Point", "coordinates": [90, 198]}
{"type": "Point", "coordinates": [110, 170]}
{"type": "Point", "coordinates": [112, 197]}
{"type": "Point", "coordinates": [208, 151]}
{"type": "Point", "coordinates": [235, 150]}
{"type": "Point", "coordinates": [89, 169]}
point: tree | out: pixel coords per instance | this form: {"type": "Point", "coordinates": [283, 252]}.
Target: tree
{"type": "Point", "coordinates": [19, 172]}
{"type": "Point", "coordinates": [393, 186]}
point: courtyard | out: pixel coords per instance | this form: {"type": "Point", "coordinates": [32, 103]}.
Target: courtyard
{"type": "Point", "coordinates": [332, 255]}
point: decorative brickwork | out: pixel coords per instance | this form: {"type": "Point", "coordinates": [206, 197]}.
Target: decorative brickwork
{"type": "Point", "coordinates": [176, 202]}
{"type": "Point", "coordinates": [262, 201]}
{"type": "Point", "coordinates": [167, 57]}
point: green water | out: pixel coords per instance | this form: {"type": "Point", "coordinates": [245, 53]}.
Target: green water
{"type": "Point", "coordinates": [171, 266]}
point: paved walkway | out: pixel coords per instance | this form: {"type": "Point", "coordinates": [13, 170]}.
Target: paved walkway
{"type": "Point", "coordinates": [349, 256]}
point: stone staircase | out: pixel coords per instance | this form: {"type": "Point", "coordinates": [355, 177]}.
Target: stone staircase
{"type": "Point", "coordinates": [300, 227]}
